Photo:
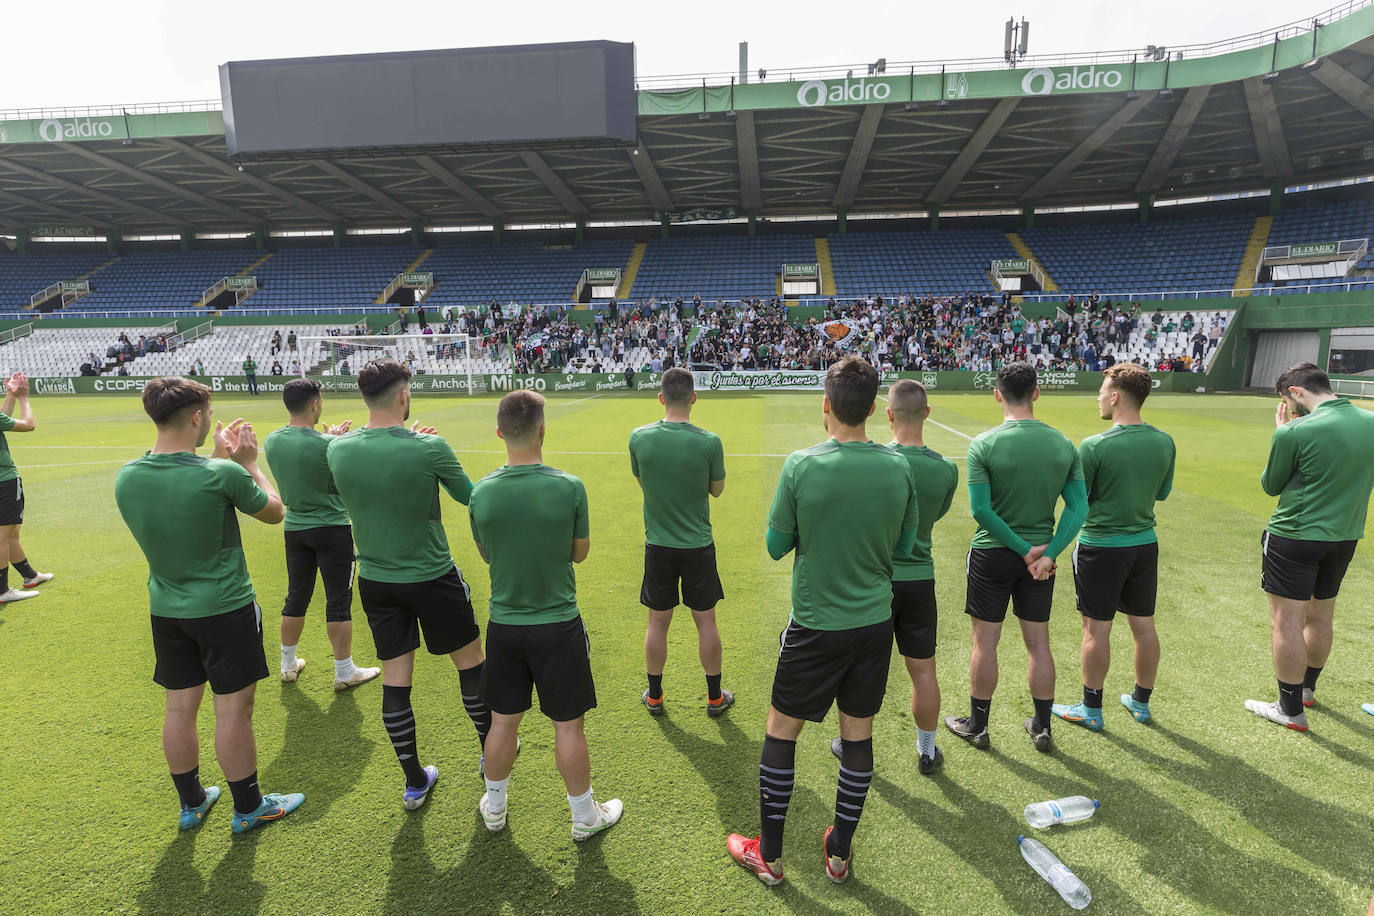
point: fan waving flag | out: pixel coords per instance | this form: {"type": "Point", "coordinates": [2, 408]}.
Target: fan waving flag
{"type": "Point", "coordinates": [841, 332]}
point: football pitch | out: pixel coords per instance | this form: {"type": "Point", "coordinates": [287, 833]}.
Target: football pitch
{"type": "Point", "coordinates": [1208, 810]}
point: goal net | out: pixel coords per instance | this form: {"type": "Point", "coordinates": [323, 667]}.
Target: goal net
{"type": "Point", "coordinates": [425, 354]}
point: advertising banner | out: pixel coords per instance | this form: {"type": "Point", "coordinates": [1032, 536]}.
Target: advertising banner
{"type": "Point", "coordinates": [595, 383]}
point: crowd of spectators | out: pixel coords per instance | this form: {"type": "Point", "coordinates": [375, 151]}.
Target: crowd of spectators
{"type": "Point", "coordinates": [974, 332]}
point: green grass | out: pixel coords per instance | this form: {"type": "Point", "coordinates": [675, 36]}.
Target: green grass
{"type": "Point", "coordinates": [1209, 810]}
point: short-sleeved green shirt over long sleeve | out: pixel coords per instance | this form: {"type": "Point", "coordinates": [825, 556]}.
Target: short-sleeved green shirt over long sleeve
{"type": "Point", "coordinates": [676, 464]}
{"type": "Point", "coordinates": [936, 478]}
{"type": "Point", "coordinates": [7, 469]}
{"type": "Point", "coordinates": [297, 457]}
{"type": "Point", "coordinates": [847, 504]}
{"type": "Point", "coordinates": [1026, 465]}
{"type": "Point", "coordinates": [181, 510]}
{"type": "Point", "coordinates": [1321, 467]}
{"type": "Point", "coordinates": [525, 519]}
{"type": "Point", "coordinates": [389, 481]}
{"type": "Point", "coordinates": [1125, 471]}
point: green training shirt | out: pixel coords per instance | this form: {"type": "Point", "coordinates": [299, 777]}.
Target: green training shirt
{"type": "Point", "coordinates": [389, 481]}
{"type": "Point", "coordinates": [297, 458]}
{"type": "Point", "coordinates": [249, 367]}
{"type": "Point", "coordinates": [180, 509]}
{"type": "Point", "coordinates": [1321, 467]}
{"type": "Point", "coordinates": [1026, 465]}
{"type": "Point", "coordinates": [525, 519]}
{"type": "Point", "coordinates": [847, 504]}
{"type": "Point", "coordinates": [7, 468]}
{"type": "Point", "coordinates": [676, 464]}
{"type": "Point", "coordinates": [1125, 471]}
{"type": "Point", "coordinates": [936, 478]}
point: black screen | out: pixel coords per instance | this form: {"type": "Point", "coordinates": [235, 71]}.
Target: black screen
{"type": "Point", "coordinates": [567, 91]}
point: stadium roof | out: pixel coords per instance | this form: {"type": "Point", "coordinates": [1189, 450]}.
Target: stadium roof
{"type": "Point", "coordinates": [1297, 107]}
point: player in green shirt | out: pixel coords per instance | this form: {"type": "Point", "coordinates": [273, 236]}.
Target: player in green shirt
{"type": "Point", "coordinates": [250, 372]}
{"type": "Point", "coordinates": [679, 466]}
{"type": "Point", "coordinates": [847, 506]}
{"type": "Point", "coordinates": [389, 478]}
{"type": "Point", "coordinates": [206, 624]}
{"type": "Point", "coordinates": [319, 538]}
{"type": "Point", "coordinates": [1126, 470]}
{"type": "Point", "coordinates": [1320, 469]}
{"type": "Point", "coordinates": [530, 524]}
{"type": "Point", "coordinates": [16, 416]}
{"type": "Point", "coordinates": [1017, 473]}
{"type": "Point", "coordinates": [914, 611]}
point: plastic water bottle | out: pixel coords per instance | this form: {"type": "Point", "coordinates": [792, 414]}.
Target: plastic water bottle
{"type": "Point", "coordinates": [1069, 810]}
{"type": "Point", "coordinates": [1048, 866]}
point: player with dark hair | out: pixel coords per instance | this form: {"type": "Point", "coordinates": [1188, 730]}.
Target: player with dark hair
{"type": "Point", "coordinates": [530, 523]}
{"type": "Point", "coordinates": [847, 506]}
{"type": "Point", "coordinates": [319, 537]}
{"type": "Point", "coordinates": [678, 466]}
{"type": "Point", "coordinates": [914, 611]}
{"type": "Point", "coordinates": [206, 623]}
{"type": "Point", "coordinates": [1321, 470]}
{"type": "Point", "coordinates": [12, 552]}
{"type": "Point", "coordinates": [1126, 470]}
{"type": "Point", "coordinates": [389, 478]}
{"type": "Point", "coordinates": [1017, 473]}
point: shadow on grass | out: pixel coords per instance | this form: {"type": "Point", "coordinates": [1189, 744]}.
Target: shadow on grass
{"type": "Point", "coordinates": [1176, 849]}
{"type": "Point", "coordinates": [983, 835]}
{"type": "Point", "coordinates": [496, 876]}
{"type": "Point", "coordinates": [323, 752]}
{"type": "Point", "coordinates": [1323, 834]}
{"type": "Point", "coordinates": [735, 793]}
{"type": "Point", "coordinates": [176, 887]}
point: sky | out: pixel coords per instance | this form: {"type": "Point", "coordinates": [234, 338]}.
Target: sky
{"type": "Point", "coordinates": [97, 52]}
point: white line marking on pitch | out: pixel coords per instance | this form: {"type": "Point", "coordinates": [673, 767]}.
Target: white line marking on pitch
{"type": "Point", "coordinates": [941, 425]}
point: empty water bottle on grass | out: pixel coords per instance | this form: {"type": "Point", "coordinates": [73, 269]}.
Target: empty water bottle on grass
{"type": "Point", "coordinates": [1069, 810]}
{"type": "Point", "coordinates": [1074, 891]}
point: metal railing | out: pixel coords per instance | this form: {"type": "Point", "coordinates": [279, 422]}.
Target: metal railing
{"type": "Point", "coordinates": [24, 330]}
{"type": "Point", "coordinates": [110, 111]}
{"type": "Point", "coordinates": [901, 68]}
{"type": "Point", "coordinates": [1353, 389]}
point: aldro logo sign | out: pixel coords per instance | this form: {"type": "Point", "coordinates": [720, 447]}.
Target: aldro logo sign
{"type": "Point", "coordinates": [55, 130]}
{"type": "Point", "coordinates": [814, 93]}
{"type": "Point", "coordinates": [1044, 81]}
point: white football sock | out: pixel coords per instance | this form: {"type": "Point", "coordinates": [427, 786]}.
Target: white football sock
{"type": "Point", "coordinates": [496, 794]}
{"type": "Point", "coordinates": [925, 742]}
{"type": "Point", "coordinates": [288, 658]}
{"type": "Point", "coordinates": [343, 668]}
{"type": "Point", "coordinates": [584, 808]}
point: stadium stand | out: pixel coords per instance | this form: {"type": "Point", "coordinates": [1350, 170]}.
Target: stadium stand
{"type": "Point", "coordinates": [301, 279]}
{"type": "Point", "coordinates": [21, 276]}
{"type": "Point", "coordinates": [923, 263]}
{"type": "Point", "coordinates": [1353, 219]}
{"type": "Point", "coordinates": [469, 274]}
{"type": "Point", "coordinates": [727, 268]}
{"type": "Point", "coordinates": [161, 279]}
{"type": "Point", "coordinates": [1184, 254]}
{"type": "Point", "coordinates": [50, 352]}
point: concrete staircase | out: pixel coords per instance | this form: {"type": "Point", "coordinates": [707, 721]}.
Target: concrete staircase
{"type": "Point", "coordinates": [1254, 250]}
{"type": "Point", "coordinates": [826, 268]}
{"type": "Point", "coordinates": [627, 279]}
{"type": "Point", "coordinates": [1024, 251]}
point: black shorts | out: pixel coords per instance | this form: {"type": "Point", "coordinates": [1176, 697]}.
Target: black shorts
{"type": "Point", "coordinates": [398, 611]}
{"type": "Point", "coordinates": [914, 618]}
{"type": "Point", "coordinates": [1111, 579]}
{"type": "Point", "coordinates": [225, 650]}
{"type": "Point", "coordinates": [1301, 570]}
{"type": "Point", "coordinates": [327, 550]}
{"type": "Point", "coordinates": [695, 568]}
{"type": "Point", "coordinates": [553, 658]}
{"type": "Point", "coordinates": [12, 502]}
{"type": "Point", "coordinates": [996, 575]}
{"type": "Point", "coordinates": [820, 667]}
